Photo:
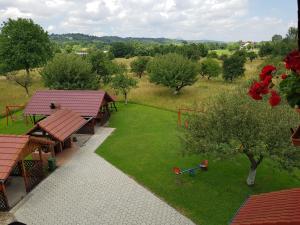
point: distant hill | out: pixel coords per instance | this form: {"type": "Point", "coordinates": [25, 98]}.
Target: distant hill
{"type": "Point", "coordinates": [110, 39]}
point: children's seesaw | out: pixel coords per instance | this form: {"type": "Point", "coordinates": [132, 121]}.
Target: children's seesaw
{"type": "Point", "coordinates": [191, 171]}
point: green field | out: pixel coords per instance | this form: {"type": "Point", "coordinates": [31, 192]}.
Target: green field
{"type": "Point", "coordinates": [146, 146]}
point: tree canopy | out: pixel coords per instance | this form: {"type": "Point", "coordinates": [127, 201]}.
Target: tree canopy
{"type": "Point", "coordinates": [24, 45]}
{"type": "Point", "coordinates": [101, 65]}
{"type": "Point", "coordinates": [121, 82]}
{"type": "Point", "coordinates": [139, 65]}
{"type": "Point", "coordinates": [172, 70]}
{"type": "Point", "coordinates": [237, 125]}
{"type": "Point", "coordinates": [210, 68]}
{"type": "Point", "coordinates": [69, 71]}
{"type": "Point", "coordinates": [233, 66]}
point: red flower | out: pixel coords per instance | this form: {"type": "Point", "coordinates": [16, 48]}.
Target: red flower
{"type": "Point", "coordinates": [266, 71]}
{"type": "Point", "coordinates": [292, 61]}
{"type": "Point", "coordinates": [258, 89]}
{"type": "Point", "coordinates": [283, 76]}
{"type": "Point", "coordinates": [274, 99]}
{"type": "Point", "coordinates": [267, 80]}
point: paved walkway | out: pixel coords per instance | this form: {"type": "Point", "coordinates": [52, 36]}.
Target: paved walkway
{"type": "Point", "coordinates": [89, 190]}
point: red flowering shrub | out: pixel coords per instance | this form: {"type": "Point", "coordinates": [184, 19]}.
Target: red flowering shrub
{"type": "Point", "coordinates": [266, 71]}
{"type": "Point", "coordinates": [274, 99]}
{"type": "Point", "coordinates": [284, 76]}
{"type": "Point", "coordinates": [289, 86]}
{"type": "Point", "coordinates": [292, 61]}
{"type": "Point", "coordinates": [258, 89]}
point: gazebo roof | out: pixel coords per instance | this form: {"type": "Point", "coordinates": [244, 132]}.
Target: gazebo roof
{"type": "Point", "coordinates": [11, 151]}
{"type": "Point", "coordinates": [86, 103]}
{"type": "Point", "coordinates": [280, 208]}
{"type": "Point", "coordinates": [61, 124]}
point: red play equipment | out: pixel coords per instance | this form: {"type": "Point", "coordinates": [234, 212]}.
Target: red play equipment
{"type": "Point", "coordinates": [10, 109]}
{"type": "Point", "coordinates": [185, 111]}
{"type": "Point", "coordinates": [203, 166]}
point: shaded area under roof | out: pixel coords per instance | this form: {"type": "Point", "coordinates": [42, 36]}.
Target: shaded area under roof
{"type": "Point", "coordinates": [61, 124]}
{"type": "Point", "coordinates": [280, 208]}
{"type": "Point", "coordinates": [11, 151]}
{"type": "Point", "coordinates": [86, 103]}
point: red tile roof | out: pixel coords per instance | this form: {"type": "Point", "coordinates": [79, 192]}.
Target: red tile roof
{"type": "Point", "coordinates": [274, 208]}
{"type": "Point", "coordinates": [86, 103]}
{"type": "Point", "coordinates": [62, 124]}
{"type": "Point", "coordinates": [11, 150]}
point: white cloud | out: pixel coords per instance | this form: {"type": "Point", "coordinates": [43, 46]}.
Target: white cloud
{"type": "Point", "coordinates": [189, 19]}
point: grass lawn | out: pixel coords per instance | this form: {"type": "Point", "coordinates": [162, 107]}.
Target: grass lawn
{"type": "Point", "coordinates": [18, 126]}
{"type": "Point", "coordinates": [146, 146]}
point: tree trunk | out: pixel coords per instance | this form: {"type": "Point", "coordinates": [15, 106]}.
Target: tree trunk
{"type": "Point", "coordinates": [254, 164]}
{"type": "Point", "coordinates": [251, 177]}
{"type": "Point", "coordinates": [27, 82]}
{"type": "Point", "coordinates": [125, 96]}
{"type": "Point", "coordinates": [27, 90]}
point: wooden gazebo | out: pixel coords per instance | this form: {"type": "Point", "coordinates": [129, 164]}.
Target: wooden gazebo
{"type": "Point", "coordinates": [13, 163]}
{"type": "Point", "coordinates": [59, 127]}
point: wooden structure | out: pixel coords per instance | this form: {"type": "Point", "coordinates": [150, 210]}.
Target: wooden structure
{"type": "Point", "coordinates": [13, 152]}
{"type": "Point", "coordinates": [9, 111]}
{"type": "Point", "coordinates": [94, 106]}
{"type": "Point", "coordinates": [59, 127]}
{"type": "Point", "coordinates": [279, 207]}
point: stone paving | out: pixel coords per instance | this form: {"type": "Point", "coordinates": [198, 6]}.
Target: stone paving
{"type": "Point", "coordinates": [89, 190]}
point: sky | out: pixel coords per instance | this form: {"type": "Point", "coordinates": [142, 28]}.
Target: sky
{"type": "Point", "coordinates": [222, 20]}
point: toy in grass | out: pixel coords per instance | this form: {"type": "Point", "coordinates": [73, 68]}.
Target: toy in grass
{"type": "Point", "coordinates": [192, 171]}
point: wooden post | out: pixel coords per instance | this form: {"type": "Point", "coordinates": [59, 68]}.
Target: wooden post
{"type": "Point", "coordinates": [40, 154]}
{"type": "Point", "coordinates": [52, 151]}
{"type": "Point", "coordinates": [6, 116]}
{"type": "Point", "coordinates": [24, 174]}
{"type": "Point", "coordinates": [179, 117]}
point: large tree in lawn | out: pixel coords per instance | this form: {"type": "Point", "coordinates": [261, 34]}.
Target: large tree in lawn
{"type": "Point", "coordinates": [24, 45]}
{"type": "Point", "coordinates": [172, 70]}
{"type": "Point", "coordinates": [235, 125]}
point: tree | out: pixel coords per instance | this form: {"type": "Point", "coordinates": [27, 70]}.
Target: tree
{"type": "Point", "coordinates": [292, 34]}
{"type": "Point", "coordinates": [120, 49]}
{"type": "Point", "coordinates": [276, 38]}
{"type": "Point", "coordinates": [24, 45]}
{"type": "Point", "coordinates": [173, 71]}
{"type": "Point", "coordinates": [233, 67]}
{"type": "Point", "coordinates": [210, 68]}
{"type": "Point", "coordinates": [69, 71]}
{"type": "Point", "coordinates": [238, 125]}
{"type": "Point", "coordinates": [122, 82]}
{"type": "Point", "coordinates": [139, 65]}
{"type": "Point", "coordinates": [265, 49]}
{"type": "Point", "coordinates": [251, 55]}
{"type": "Point", "coordinates": [212, 54]}
{"type": "Point", "coordinates": [101, 65]}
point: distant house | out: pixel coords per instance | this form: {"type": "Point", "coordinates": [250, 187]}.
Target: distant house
{"type": "Point", "coordinates": [245, 44]}
{"type": "Point", "coordinates": [94, 106]}
{"type": "Point", "coordinates": [274, 208]}
{"type": "Point", "coordinates": [81, 53]}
